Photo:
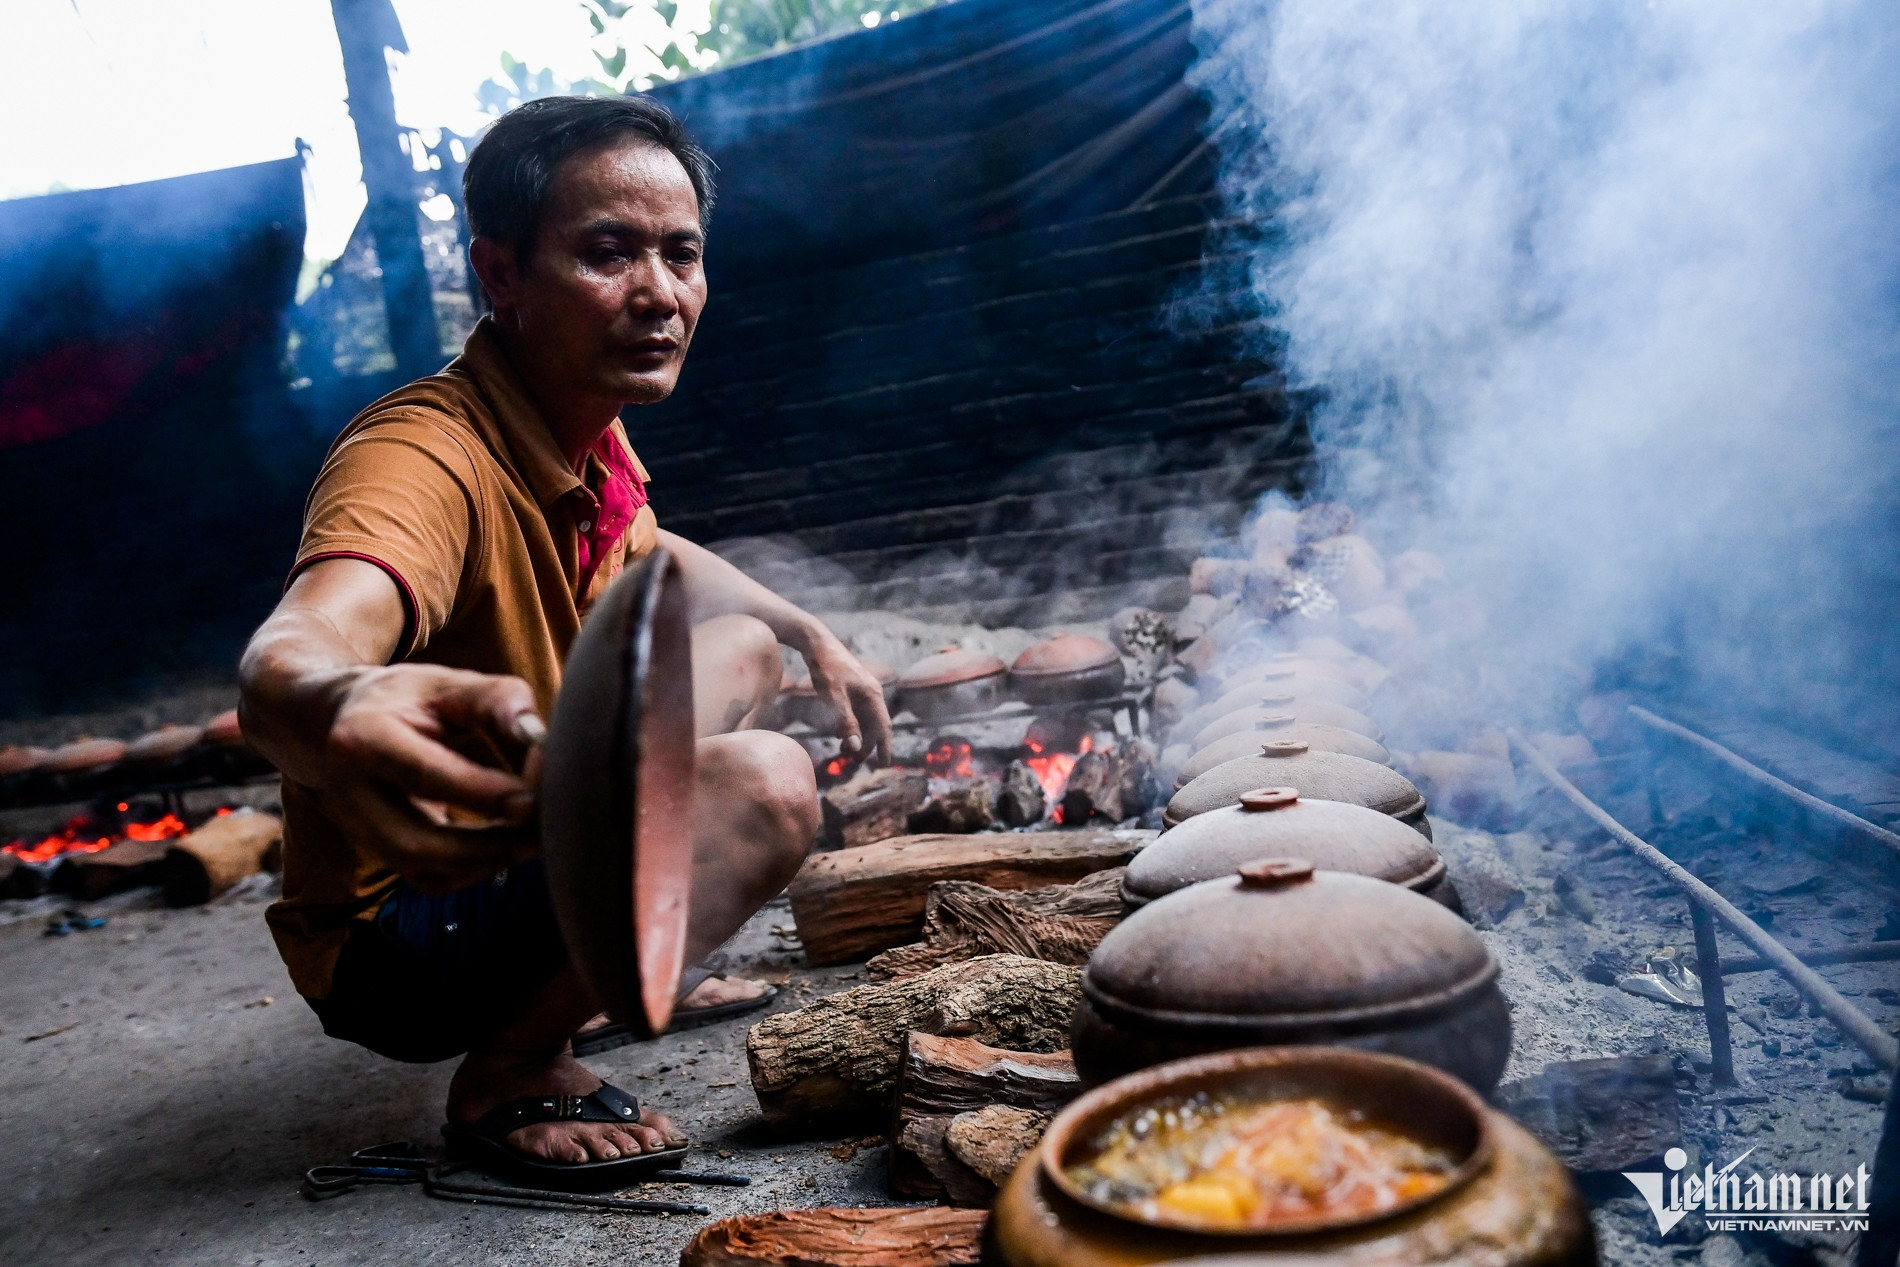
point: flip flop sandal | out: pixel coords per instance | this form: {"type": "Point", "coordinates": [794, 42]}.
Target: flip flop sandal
{"type": "Point", "coordinates": [486, 1142]}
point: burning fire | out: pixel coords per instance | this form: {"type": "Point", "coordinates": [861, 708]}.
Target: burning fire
{"type": "Point", "coordinates": [1052, 768]}
{"type": "Point", "coordinates": [950, 759]}
{"type": "Point", "coordinates": [81, 834]}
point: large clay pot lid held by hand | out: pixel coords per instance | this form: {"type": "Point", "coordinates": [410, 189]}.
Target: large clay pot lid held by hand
{"type": "Point", "coordinates": [616, 795]}
{"type": "Point", "coordinates": [1279, 822]}
{"type": "Point", "coordinates": [1280, 945]}
{"type": "Point", "coordinates": [1323, 776]}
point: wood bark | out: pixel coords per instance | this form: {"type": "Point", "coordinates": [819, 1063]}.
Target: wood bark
{"type": "Point", "coordinates": [894, 1237]}
{"type": "Point", "coordinates": [1062, 923]}
{"type": "Point", "coordinates": [853, 903]}
{"type": "Point", "coordinates": [944, 1078]}
{"type": "Point", "coordinates": [960, 810]}
{"type": "Point", "coordinates": [1021, 803]}
{"type": "Point", "coordinates": [993, 1140]}
{"type": "Point", "coordinates": [200, 866]}
{"type": "Point", "coordinates": [837, 1059]}
{"type": "Point", "coordinates": [870, 806]}
{"type": "Point", "coordinates": [125, 865]}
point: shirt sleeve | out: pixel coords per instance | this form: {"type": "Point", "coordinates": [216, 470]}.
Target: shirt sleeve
{"type": "Point", "coordinates": [401, 494]}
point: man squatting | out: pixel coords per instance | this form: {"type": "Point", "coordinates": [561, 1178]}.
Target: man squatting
{"type": "Point", "coordinates": [458, 533]}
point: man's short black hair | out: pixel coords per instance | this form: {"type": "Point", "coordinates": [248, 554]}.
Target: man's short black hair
{"type": "Point", "coordinates": [508, 176]}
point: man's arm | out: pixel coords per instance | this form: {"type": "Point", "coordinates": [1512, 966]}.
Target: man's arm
{"type": "Point", "coordinates": [716, 588]}
{"type": "Point", "coordinates": [321, 702]}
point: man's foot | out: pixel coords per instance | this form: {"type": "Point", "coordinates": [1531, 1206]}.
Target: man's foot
{"type": "Point", "coordinates": [484, 1081]}
{"type": "Point", "coordinates": [718, 991]}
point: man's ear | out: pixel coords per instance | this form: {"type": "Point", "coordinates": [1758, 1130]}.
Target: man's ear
{"type": "Point", "coordinates": [495, 266]}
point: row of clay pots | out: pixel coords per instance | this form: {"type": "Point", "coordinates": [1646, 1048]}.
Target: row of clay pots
{"type": "Point", "coordinates": [85, 765]}
{"type": "Point", "coordinates": [1069, 669]}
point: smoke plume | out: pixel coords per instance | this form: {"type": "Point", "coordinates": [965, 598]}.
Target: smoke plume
{"type": "Point", "coordinates": [1599, 300]}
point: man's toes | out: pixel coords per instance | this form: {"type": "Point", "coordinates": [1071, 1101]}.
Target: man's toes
{"type": "Point", "coordinates": [623, 1139]}
{"type": "Point", "coordinates": [663, 1125]}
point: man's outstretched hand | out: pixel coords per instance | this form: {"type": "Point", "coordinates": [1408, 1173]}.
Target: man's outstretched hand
{"type": "Point", "coordinates": [421, 764]}
{"type": "Point", "coordinates": [857, 697]}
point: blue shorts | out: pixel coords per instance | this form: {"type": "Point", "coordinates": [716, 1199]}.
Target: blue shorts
{"type": "Point", "coordinates": [434, 975]}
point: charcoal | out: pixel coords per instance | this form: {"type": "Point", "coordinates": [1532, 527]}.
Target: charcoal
{"type": "Point", "coordinates": [1600, 1116]}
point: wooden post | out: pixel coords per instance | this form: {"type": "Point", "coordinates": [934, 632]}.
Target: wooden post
{"type": "Point", "coordinates": [1714, 1005]}
{"type": "Point", "coordinates": [364, 29]}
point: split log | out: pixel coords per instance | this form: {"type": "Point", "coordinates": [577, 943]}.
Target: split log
{"type": "Point", "coordinates": [22, 879]}
{"type": "Point", "coordinates": [893, 1237]}
{"type": "Point", "coordinates": [993, 1140]}
{"type": "Point", "coordinates": [944, 1078]}
{"type": "Point", "coordinates": [855, 902]}
{"type": "Point", "coordinates": [1095, 788]}
{"type": "Point", "coordinates": [1021, 803]}
{"type": "Point", "coordinates": [837, 1059]}
{"type": "Point", "coordinates": [200, 866]}
{"type": "Point", "coordinates": [126, 865]}
{"type": "Point", "coordinates": [870, 806]}
{"type": "Point", "coordinates": [1062, 923]}
{"type": "Point", "coordinates": [960, 810]}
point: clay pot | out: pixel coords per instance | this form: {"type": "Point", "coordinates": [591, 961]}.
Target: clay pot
{"type": "Point", "coordinates": [20, 759]}
{"type": "Point", "coordinates": [1510, 1203]}
{"type": "Point", "coordinates": [1317, 775]}
{"type": "Point", "coordinates": [1278, 728]}
{"type": "Point", "coordinates": [1293, 661]}
{"type": "Point", "coordinates": [84, 756]}
{"type": "Point", "coordinates": [616, 794]}
{"type": "Point", "coordinates": [952, 683]}
{"type": "Point", "coordinates": [1275, 685]}
{"type": "Point", "coordinates": [1280, 823]}
{"type": "Point", "coordinates": [1313, 712]}
{"type": "Point", "coordinates": [1280, 953]}
{"type": "Point", "coordinates": [224, 729]}
{"type": "Point", "coordinates": [165, 744]}
{"type": "Point", "coordinates": [1072, 668]}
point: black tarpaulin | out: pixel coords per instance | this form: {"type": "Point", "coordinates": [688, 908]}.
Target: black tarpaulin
{"type": "Point", "coordinates": [971, 119]}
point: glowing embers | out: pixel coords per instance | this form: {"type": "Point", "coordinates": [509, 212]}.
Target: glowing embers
{"type": "Point", "coordinates": [83, 834]}
{"type": "Point", "coordinates": [950, 758]}
{"type": "Point", "coordinates": [1052, 769]}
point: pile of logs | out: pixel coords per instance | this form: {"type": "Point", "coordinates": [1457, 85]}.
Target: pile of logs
{"type": "Point", "coordinates": [191, 869]}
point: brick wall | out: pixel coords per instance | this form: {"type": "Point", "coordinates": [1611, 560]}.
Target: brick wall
{"type": "Point", "coordinates": [969, 431]}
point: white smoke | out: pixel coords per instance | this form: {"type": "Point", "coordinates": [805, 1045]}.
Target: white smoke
{"type": "Point", "coordinates": [1602, 298]}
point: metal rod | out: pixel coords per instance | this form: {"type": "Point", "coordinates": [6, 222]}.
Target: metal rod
{"type": "Point", "coordinates": [1742, 765]}
{"type": "Point", "coordinates": [1872, 952]}
{"type": "Point", "coordinates": [1850, 1020]}
{"type": "Point", "coordinates": [1714, 1006]}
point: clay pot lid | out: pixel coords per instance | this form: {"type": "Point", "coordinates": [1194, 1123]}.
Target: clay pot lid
{"type": "Point", "coordinates": [1430, 1104]}
{"type": "Point", "coordinates": [1279, 822]}
{"type": "Point", "coordinates": [1318, 775]}
{"type": "Point", "coordinates": [616, 794]}
{"type": "Point", "coordinates": [84, 754]}
{"type": "Point", "coordinates": [224, 728]}
{"type": "Point", "coordinates": [1273, 707]}
{"type": "Point", "coordinates": [1283, 945]}
{"type": "Point", "coordinates": [1251, 743]}
{"type": "Point", "coordinates": [21, 759]}
{"type": "Point", "coordinates": [1066, 653]}
{"type": "Point", "coordinates": [1293, 662]}
{"type": "Point", "coordinates": [884, 673]}
{"type": "Point", "coordinates": [951, 666]}
{"type": "Point", "coordinates": [164, 743]}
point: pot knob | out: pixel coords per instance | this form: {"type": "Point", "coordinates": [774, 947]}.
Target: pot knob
{"type": "Point", "coordinates": [1271, 701]}
{"type": "Point", "coordinates": [1275, 873]}
{"type": "Point", "coordinates": [1283, 748]}
{"type": "Point", "coordinates": [1269, 798]}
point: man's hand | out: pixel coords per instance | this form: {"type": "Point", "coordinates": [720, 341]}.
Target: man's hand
{"type": "Point", "coordinates": [844, 684]}
{"type": "Point", "coordinates": [414, 769]}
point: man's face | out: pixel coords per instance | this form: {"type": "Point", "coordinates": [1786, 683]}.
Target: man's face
{"type": "Point", "coordinates": [608, 302]}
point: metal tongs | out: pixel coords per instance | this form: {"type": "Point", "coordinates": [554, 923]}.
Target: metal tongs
{"type": "Point", "coordinates": [401, 1162]}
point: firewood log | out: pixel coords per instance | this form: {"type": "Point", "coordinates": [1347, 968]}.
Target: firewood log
{"type": "Point", "coordinates": [960, 810]}
{"type": "Point", "coordinates": [870, 806]}
{"type": "Point", "coordinates": [942, 1078]}
{"type": "Point", "coordinates": [1021, 803]}
{"type": "Point", "coordinates": [126, 865]}
{"type": "Point", "coordinates": [210, 860]}
{"type": "Point", "coordinates": [895, 1237]}
{"type": "Point", "coordinates": [853, 903]}
{"type": "Point", "coordinates": [1094, 789]}
{"type": "Point", "coordinates": [837, 1059]}
{"type": "Point", "coordinates": [1062, 923]}
{"type": "Point", "coordinates": [992, 1140]}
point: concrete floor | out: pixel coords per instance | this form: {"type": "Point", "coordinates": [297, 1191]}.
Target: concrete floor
{"type": "Point", "coordinates": [165, 1089]}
